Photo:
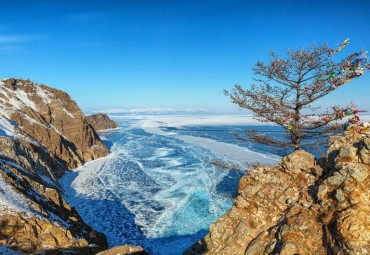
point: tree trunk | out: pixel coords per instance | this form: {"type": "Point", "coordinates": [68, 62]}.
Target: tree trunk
{"type": "Point", "coordinates": [297, 117]}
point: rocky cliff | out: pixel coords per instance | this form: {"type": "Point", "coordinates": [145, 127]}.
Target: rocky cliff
{"type": "Point", "coordinates": [302, 206]}
{"type": "Point", "coordinates": [101, 121]}
{"type": "Point", "coordinates": [42, 134]}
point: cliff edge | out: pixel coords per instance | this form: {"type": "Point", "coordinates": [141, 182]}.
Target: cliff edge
{"type": "Point", "coordinates": [43, 133]}
{"type": "Point", "coordinates": [301, 206]}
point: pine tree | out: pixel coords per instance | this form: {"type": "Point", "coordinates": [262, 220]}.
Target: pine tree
{"type": "Point", "coordinates": [285, 89]}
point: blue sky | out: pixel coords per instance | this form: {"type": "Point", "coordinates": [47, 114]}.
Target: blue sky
{"type": "Point", "coordinates": [172, 54]}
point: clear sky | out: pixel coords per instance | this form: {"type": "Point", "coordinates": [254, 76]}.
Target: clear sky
{"type": "Point", "coordinates": [173, 53]}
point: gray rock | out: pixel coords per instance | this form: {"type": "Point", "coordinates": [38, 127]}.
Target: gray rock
{"type": "Point", "coordinates": [323, 190]}
{"type": "Point", "coordinates": [358, 172]}
{"type": "Point", "coordinates": [337, 179]}
{"type": "Point", "coordinates": [298, 161]}
{"type": "Point", "coordinates": [366, 142]}
{"type": "Point", "coordinates": [347, 151]}
{"type": "Point", "coordinates": [339, 195]}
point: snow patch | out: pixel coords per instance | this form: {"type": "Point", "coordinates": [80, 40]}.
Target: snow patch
{"type": "Point", "coordinates": [18, 99]}
{"type": "Point", "coordinates": [6, 127]}
{"type": "Point", "coordinates": [10, 201]}
{"type": "Point", "coordinates": [43, 94]}
{"type": "Point", "coordinates": [68, 113]}
{"type": "Point", "coordinates": [10, 102]}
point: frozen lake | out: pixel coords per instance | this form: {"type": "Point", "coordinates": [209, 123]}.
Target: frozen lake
{"type": "Point", "coordinates": [156, 188]}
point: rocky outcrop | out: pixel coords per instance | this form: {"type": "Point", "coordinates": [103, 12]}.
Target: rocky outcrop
{"type": "Point", "coordinates": [101, 121]}
{"type": "Point", "coordinates": [43, 133]}
{"type": "Point", "coordinates": [34, 216]}
{"type": "Point", "coordinates": [51, 118]}
{"type": "Point", "coordinates": [124, 250]}
{"type": "Point", "coordinates": [302, 206]}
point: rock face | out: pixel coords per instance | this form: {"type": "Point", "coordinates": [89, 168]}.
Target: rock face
{"type": "Point", "coordinates": [50, 117]}
{"type": "Point", "coordinates": [42, 134]}
{"type": "Point", "coordinates": [300, 206]}
{"type": "Point", "coordinates": [124, 250]}
{"type": "Point", "coordinates": [101, 121]}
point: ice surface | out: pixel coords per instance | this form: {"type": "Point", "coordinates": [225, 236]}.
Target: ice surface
{"type": "Point", "coordinates": [5, 250]}
{"type": "Point", "coordinates": [193, 120]}
{"type": "Point", "coordinates": [146, 184]}
{"type": "Point", "coordinates": [156, 188]}
{"type": "Point", "coordinates": [233, 152]}
{"type": "Point", "coordinates": [151, 111]}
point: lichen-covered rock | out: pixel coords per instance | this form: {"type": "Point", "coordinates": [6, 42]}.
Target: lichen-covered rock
{"type": "Point", "coordinates": [101, 121]}
{"type": "Point", "coordinates": [300, 207]}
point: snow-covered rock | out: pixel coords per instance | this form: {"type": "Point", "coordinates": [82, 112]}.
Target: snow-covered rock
{"type": "Point", "coordinates": [42, 134]}
{"type": "Point", "coordinates": [40, 114]}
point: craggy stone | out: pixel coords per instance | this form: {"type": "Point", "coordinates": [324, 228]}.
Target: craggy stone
{"type": "Point", "coordinates": [101, 121]}
{"type": "Point", "coordinates": [275, 213]}
{"type": "Point", "coordinates": [51, 135]}
{"type": "Point", "coordinates": [357, 171]}
{"type": "Point", "coordinates": [294, 162]}
{"type": "Point", "coordinates": [366, 142]}
{"type": "Point", "coordinates": [337, 179]}
{"type": "Point", "coordinates": [340, 196]}
{"type": "Point", "coordinates": [347, 152]}
{"type": "Point", "coordinates": [54, 120]}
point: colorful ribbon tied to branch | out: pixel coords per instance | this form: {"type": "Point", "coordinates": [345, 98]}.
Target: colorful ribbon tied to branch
{"type": "Point", "coordinates": [354, 120]}
{"type": "Point", "coordinates": [359, 63]}
{"type": "Point", "coordinates": [355, 67]}
{"type": "Point", "coordinates": [332, 75]}
{"type": "Point", "coordinates": [339, 113]}
{"type": "Point", "coordinates": [344, 44]}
